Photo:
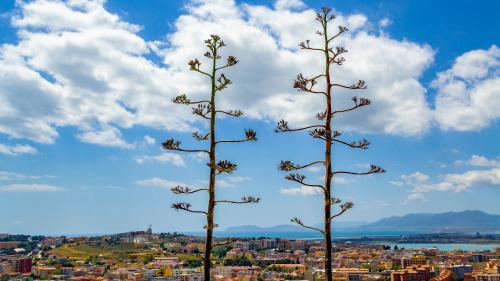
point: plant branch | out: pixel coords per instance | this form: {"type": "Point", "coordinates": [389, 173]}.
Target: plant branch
{"type": "Point", "coordinates": [358, 102]}
{"type": "Point", "coordinates": [230, 62]}
{"type": "Point", "coordinates": [361, 84]}
{"type": "Point", "coordinates": [373, 170]}
{"type": "Point", "coordinates": [186, 207]}
{"type": "Point", "coordinates": [299, 222]}
{"type": "Point", "coordinates": [171, 144]}
{"type": "Point", "coordinates": [342, 29]}
{"type": "Point", "coordinates": [244, 200]}
{"type": "Point", "coordinates": [290, 166]}
{"type": "Point", "coordinates": [250, 135]}
{"type": "Point", "coordinates": [343, 208]}
{"type": "Point", "coordinates": [305, 46]}
{"type": "Point", "coordinates": [300, 179]}
{"type": "Point", "coordinates": [183, 99]}
{"type": "Point", "coordinates": [363, 144]}
{"type": "Point", "coordinates": [283, 127]}
{"type": "Point", "coordinates": [202, 110]}
{"type": "Point", "coordinates": [235, 113]}
{"type": "Point", "coordinates": [224, 243]}
{"type": "Point", "coordinates": [186, 190]}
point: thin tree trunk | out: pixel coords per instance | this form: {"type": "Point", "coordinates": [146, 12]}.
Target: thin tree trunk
{"type": "Point", "coordinates": [211, 188]}
{"type": "Point", "coordinates": [328, 162]}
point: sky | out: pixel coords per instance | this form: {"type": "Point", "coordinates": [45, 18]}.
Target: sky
{"type": "Point", "coordinates": [85, 103]}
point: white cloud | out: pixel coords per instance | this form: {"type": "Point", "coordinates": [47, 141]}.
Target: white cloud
{"type": "Point", "coordinates": [76, 64]}
{"type": "Point", "coordinates": [341, 180]}
{"type": "Point", "coordinates": [80, 65]}
{"type": "Point", "coordinates": [148, 140]}
{"type": "Point", "coordinates": [384, 22]}
{"type": "Point", "coordinates": [30, 188]}
{"type": "Point", "coordinates": [17, 149]}
{"type": "Point", "coordinates": [107, 136]}
{"type": "Point", "coordinates": [288, 4]}
{"type": "Point", "coordinates": [231, 181]}
{"type": "Point", "coordinates": [166, 157]}
{"type": "Point", "coordinates": [5, 175]}
{"type": "Point", "coordinates": [313, 169]}
{"type": "Point", "coordinates": [415, 177]}
{"type": "Point", "coordinates": [469, 92]}
{"type": "Point", "coordinates": [481, 161]}
{"type": "Point", "coordinates": [159, 182]}
{"type": "Point", "coordinates": [454, 182]}
{"type": "Point", "coordinates": [199, 156]}
{"type": "Point", "coordinates": [303, 190]}
{"type": "Point", "coordinates": [415, 197]}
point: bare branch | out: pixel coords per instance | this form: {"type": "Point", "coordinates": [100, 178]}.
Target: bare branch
{"type": "Point", "coordinates": [235, 113]}
{"type": "Point", "coordinates": [361, 84]}
{"type": "Point", "coordinates": [343, 208]}
{"type": "Point", "coordinates": [358, 102]}
{"type": "Point", "coordinates": [299, 222]}
{"type": "Point", "coordinates": [223, 82]}
{"type": "Point", "coordinates": [244, 200]}
{"type": "Point", "coordinates": [194, 65]}
{"type": "Point", "coordinates": [224, 243]}
{"type": "Point", "coordinates": [318, 133]}
{"type": "Point", "coordinates": [336, 58]}
{"type": "Point", "coordinates": [283, 127]}
{"type": "Point", "coordinates": [290, 166]}
{"type": "Point", "coordinates": [305, 46]}
{"type": "Point", "coordinates": [250, 135]}
{"type": "Point", "coordinates": [334, 201]}
{"type": "Point", "coordinates": [342, 29]}
{"type": "Point", "coordinates": [363, 144]}
{"type": "Point", "coordinates": [304, 84]}
{"type": "Point", "coordinates": [300, 179]}
{"type": "Point", "coordinates": [373, 170]}
{"type": "Point", "coordinates": [186, 207]}
{"type": "Point", "coordinates": [186, 190]}
{"type": "Point", "coordinates": [203, 110]}
{"type": "Point", "coordinates": [171, 144]}
{"type": "Point", "coordinates": [321, 115]}
{"type": "Point", "coordinates": [183, 99]}
{"type": "Point", "coordinates": [200, 137]}
{"type": "Point", "coordinates": [230, 62]}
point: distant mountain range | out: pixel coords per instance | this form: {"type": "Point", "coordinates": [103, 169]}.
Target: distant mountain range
{"type": "Point", "coordinates": [464, 221]}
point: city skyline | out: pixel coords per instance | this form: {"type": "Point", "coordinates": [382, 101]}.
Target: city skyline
{"type": "Point", "coordinates": [85, 102]}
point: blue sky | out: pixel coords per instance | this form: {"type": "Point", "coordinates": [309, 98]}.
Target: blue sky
{"type": "Point", "coordinates": [85, 89]}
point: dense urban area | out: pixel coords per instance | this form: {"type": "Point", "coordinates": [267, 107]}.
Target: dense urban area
{"type": "Point", "coordinates": [143, 255]}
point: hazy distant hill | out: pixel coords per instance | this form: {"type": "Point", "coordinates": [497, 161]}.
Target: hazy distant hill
{"type": "Point", "coordinates": [288, 228]}
{"type": "Point", "coordinates": [450, 221]}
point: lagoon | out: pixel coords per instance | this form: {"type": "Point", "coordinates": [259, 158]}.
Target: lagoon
{"type": "Point", "coordinates": [447, 247]}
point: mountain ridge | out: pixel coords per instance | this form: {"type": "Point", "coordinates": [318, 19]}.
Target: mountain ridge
{"type": "Point", "coordinates": [467, 220]}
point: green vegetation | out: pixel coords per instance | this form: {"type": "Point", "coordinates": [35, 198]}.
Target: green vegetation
{"type": "Point", "coordinates": [118, 252]}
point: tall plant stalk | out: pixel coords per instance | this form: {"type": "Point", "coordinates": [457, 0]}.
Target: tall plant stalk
{"type": "Point", "coordinates": [324, 131]}
{"type": "Point", "coordinates": [208, 110]}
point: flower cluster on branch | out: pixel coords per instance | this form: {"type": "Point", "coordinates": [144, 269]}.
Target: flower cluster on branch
{"type": "Point", "coordinates": [225, 166]}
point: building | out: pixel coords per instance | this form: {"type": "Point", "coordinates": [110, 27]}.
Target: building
{"type": "Point", "coordinates": [166, 261]}
{"type": "Point", "coordinates": [415, 260]}
{"type": "Point", "coordinates": [445, 275]}
{"type": "Point", "coordinates": [22, 265]}
{"type": "Point", "coordinates": [460, 270]}
{"type": "Point", "coordinates": [349, 274]}
{"type": "Point", "coordinates": [414, 273]}
{"type": "Point", "coordinates": [486, 277]}
{"type": "Point", "coordinates": [43, 271]}
{"type": "Point", "coordinates": [8, 245]}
